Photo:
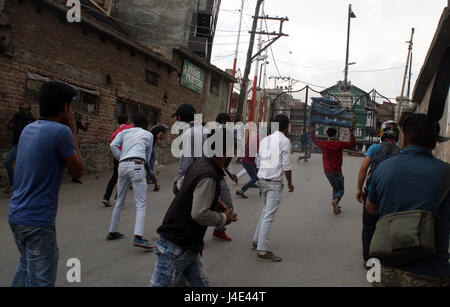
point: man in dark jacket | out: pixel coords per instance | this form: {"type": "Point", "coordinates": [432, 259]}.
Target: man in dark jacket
{"type": "Point", "coordinates": [18, 123]}
{"type": "Point", "coordinates": [195, 207]}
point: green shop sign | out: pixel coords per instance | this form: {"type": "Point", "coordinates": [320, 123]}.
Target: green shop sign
{"type": "Point", "coordinates": [192, 77]}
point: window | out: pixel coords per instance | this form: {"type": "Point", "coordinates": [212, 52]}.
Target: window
{"type": "Point", "coordinates": [151, 77]}
{"type": "Point", "coordinates": [85, 102]}
{"type": "Point", "coordinates": [214, 86]}
{"type": "Point", "coordinates": [129, 108]}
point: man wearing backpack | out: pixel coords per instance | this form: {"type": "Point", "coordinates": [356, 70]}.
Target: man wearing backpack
{"type": "Point", "coordinates": [389, 134]}
{"type": "Point", "coordinates": [413, 180]}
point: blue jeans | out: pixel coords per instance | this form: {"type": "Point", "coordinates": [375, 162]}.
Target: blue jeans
{"type": "Point", "coordinates": [150, 168]}
{"type": "Point", "coordinates": [253, 173]}
{"type": "Point", "coordinates": [336, 180]}
{"type": "Point", "coordinates": [175, 262]}
{"type": "Point", "coordinates": [10, 159]}
{"type": "Point", "coordinates": [39, 256]}
{"type": "Point", "coordinates": [368, 229]}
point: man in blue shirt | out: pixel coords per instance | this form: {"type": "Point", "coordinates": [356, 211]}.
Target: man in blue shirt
{"type": "Point", "coordinates": [45, 148]}
{"type": "Point", "coordinates": [414, 180]}
{"type": "Point", "coordinates": [389, 134]}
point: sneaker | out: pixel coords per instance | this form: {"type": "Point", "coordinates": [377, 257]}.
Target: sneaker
{"type": "Point", "coordinates": [157, 187]}
{"type": "Point", "coordinates": [336, 208]}
{"type": "Point", "coordinates": [106, 202]}
{"type": "Point", "coordinates": [221, 235]}
{"type": "Point", "coordinates": [114, 236]}
{"type": "Point", "coordinates": [142, 243]}
{"type": "Point", "coordinates": [268, 256]}
{"type": "Point", "coordinates": [254, 245]}
{"type": "Point", "coordinates": [74, 180]}
{"type": "Point", "coordinates": [241, 194]}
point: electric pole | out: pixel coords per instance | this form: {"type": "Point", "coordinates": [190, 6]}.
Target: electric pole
{"type": "Point", "coordinates": [250, 58]}
{"type": "Point", "coordinates": [236, 56]}
{"type": "Point", "coordinates": [255, 79]}
{"type": "Point", "coordinates": [243, 93]}
{"type": "Point", "coordinates": [400, 102]}
{"type": "Point", "coordinates": [350, 16]}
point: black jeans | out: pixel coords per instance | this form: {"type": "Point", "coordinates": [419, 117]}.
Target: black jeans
{"type": "Point", "coordinates": [113, 181]}
{"type": "Point", "coordinates": [368, 229]}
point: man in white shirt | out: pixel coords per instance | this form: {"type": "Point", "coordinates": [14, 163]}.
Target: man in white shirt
{"type": "Point", "coordinates": [273, 159]}
{"type": "Point", "coordinates": [136, 151]}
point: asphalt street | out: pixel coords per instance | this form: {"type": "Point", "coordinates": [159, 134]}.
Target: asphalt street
{"type": "Point", "coordinates": [317, 247]}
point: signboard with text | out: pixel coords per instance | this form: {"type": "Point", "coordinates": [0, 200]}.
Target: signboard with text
{"type": "Point", "coordinates": [192, 77]}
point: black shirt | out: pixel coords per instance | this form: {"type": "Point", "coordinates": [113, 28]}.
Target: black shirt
{"type": "Point", "coordinates": [20, 121]}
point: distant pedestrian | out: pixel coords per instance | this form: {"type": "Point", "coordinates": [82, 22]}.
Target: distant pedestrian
{"type": "Point", "coordinates": [415, 180]}
{"type": "Point", "coordinates": [332, 163]}
{"type": "Point", "coordinates": [195, 207]}
{"type": "Point", "coordinates": [122, 120]}
{"type": "Point", "coordinates": [274, 159]}
{"type": "Point", "coordinates": [377, 153]}
{"type": "Point", "coordinates": [46, 146]}
{"type": "Point", "coordinates": [306, 141]}
{"type": "Point", "coordinates": [158, 131]}
{"type": "Point", "coordinates": [19, 121]}
{"type": "Point", "coordinates": [136, 151]}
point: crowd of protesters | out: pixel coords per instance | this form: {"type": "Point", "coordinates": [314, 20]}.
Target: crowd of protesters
{"type": "Point", "coordinates": [411, 180]}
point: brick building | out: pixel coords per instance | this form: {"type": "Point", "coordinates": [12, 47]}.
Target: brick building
{"type": "Point", "coordinates": [113, 74]}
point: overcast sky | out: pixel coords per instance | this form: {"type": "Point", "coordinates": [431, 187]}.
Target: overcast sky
{"type": "Point", "coordinates": [314, 52]}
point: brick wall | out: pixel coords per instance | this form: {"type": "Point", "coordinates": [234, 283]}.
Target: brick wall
{"type": "Point", "coordinates": [44, 43]}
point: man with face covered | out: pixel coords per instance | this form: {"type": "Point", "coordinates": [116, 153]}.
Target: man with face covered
{"type": "Point", "coordinates": [19, 121]}
{"type": "Point", "coordinates": [195, 207]}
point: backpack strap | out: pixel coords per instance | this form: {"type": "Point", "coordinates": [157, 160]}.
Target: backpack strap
{"type": "Point", "coordinates": [445, 187]}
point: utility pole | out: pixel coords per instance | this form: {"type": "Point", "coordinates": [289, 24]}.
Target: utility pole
{"type": "Point", "coordinates": [263, 100]}
{"type": "Point", "coordinates": [255, 79]}
{"type": "Point", "coordinates": [236, 56]}
{"type": "Point", "coordinates": [243, 93]}
{"type": "Point", "coordinates": [410, 74]}
{"type": "Point", "coordinates": [350, 16]}
{"type": "Point", "coordinates": [306, 109]}
{"type": "Point", "coordinates": [400, 107]}
{"type": "Point", "coordinates": [250, 58]}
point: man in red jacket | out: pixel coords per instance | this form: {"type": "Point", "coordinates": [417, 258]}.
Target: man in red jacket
{"type": "Point", "coordinates": [332, 162]}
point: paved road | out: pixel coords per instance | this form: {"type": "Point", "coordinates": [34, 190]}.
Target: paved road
{"type": "Point", "coordinates": [317, 247]}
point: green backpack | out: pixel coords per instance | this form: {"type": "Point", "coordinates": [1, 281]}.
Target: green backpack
{"type": "Point", "coordinates": [406, 237]}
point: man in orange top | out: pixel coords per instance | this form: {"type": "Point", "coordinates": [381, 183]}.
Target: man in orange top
{"type": "Point", "coordinates": [332, 162]}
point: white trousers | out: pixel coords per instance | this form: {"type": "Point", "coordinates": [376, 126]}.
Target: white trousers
{"type": "Point", "coordinates": [133, 174]}
{"type": "Point", "coordinates": [271, 196]}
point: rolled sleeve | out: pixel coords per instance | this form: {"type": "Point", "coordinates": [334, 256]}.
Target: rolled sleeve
{"type": "Point", "coordinates": [201, 212]}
